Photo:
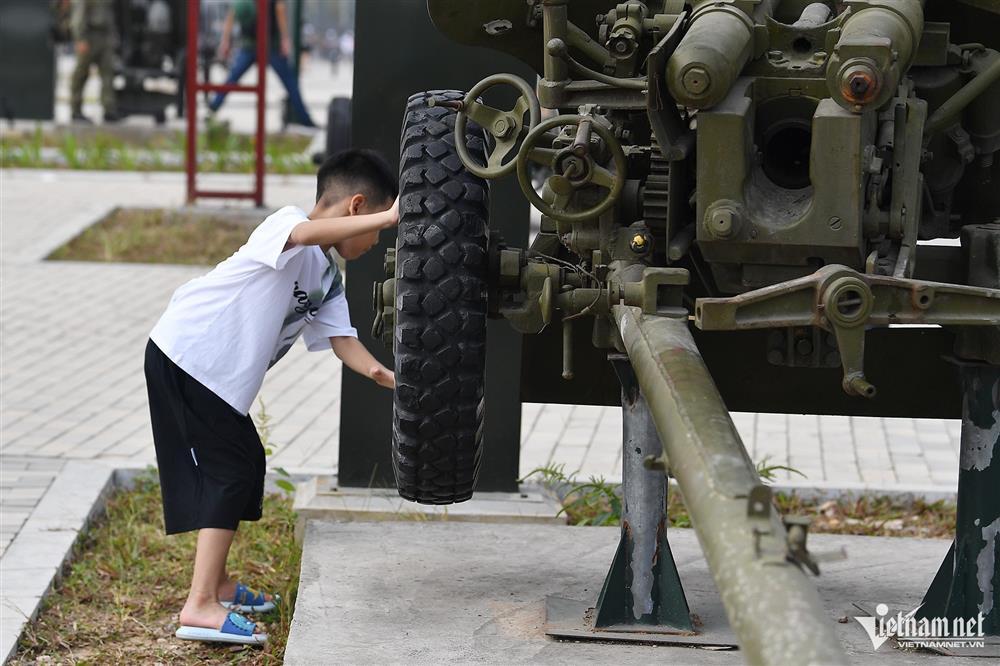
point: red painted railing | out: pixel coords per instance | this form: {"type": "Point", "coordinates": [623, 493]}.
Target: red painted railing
{"type": "Point", "coordinates": [193, 87]}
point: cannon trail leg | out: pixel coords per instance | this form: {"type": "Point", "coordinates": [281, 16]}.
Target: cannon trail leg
{"type": "Point", "coordinates": [773, 608]}
{"type": "Point", "coordinates": [642, 590]}
{"type": "Point", "coordinates": [968, 582]}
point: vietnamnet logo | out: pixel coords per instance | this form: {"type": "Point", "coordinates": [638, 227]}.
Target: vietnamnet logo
{"type": "Point", "coordinates": [937, 632]}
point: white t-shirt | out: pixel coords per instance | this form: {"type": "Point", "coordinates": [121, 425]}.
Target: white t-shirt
{"type": "Point", "coordinates": [228, 327]}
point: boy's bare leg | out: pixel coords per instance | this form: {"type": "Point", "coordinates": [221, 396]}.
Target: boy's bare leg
{"type": "Point", "coordinates": [202, 608]}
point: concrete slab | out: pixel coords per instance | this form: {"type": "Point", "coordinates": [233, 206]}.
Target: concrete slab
{"type": "Point", "coordinates": [34, 559]}
{"type": "Point", "coordinates": [321, 498]}
{"type": "Point", "coordinates": [431, 592]}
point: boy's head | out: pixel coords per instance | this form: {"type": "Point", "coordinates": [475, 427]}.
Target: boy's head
{"type": "Point", "coordinates": [354, 182]}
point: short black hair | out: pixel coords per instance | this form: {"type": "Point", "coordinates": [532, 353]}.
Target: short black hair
{"type": "Point", "coordinates": [356, 171]}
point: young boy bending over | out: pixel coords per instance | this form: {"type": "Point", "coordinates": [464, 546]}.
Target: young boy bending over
{"type": "Point", "coordinates": [206, 360]}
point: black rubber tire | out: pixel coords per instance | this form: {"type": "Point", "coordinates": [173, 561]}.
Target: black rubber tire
{"type": "Point", "coordinates": [440, 328]}
{"type": "Point", "coordinates": [338, 125]}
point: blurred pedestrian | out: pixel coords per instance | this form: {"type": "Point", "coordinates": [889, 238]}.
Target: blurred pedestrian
{"type": "Point", "coordinates": [93, 26]}
{"type": "Point", "coordinates": [244, 12]}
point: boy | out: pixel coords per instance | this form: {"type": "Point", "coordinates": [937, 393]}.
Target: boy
{"type": "Point", "coordinates": [206, 360]}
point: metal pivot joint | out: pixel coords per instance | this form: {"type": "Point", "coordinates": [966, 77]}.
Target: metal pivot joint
{"type": "Point", "coordinates": [642, 590]}
{"type": "Point", "coordinates": [845, 302]}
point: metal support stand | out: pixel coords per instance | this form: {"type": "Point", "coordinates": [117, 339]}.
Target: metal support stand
{"type": "Point", "coordinates": [642, 591]}
{"type": "Point", "coordinates": [968, 582]}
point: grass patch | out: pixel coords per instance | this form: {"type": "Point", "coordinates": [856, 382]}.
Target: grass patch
{"type": "Point", "coordinates": [162, 236]}
{"type": "Point", "coordinates": [219, 150]}
{"type": "Point", "coordinates": [119, 600]}
{"type": "Point", "coordinates": [598, 502]}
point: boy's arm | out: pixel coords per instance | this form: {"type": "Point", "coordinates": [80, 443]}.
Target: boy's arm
{"type": "Point", "coordinates": [332, 230]}
{"type": "Point", "coordinates": [357, 358]}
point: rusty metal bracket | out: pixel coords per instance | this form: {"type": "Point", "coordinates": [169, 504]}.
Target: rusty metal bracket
{"type": "Point", "coordinates": [846, 302]}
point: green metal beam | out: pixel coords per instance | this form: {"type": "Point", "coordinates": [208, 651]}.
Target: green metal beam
{"type": "Point", "coordinates": [774, 610]}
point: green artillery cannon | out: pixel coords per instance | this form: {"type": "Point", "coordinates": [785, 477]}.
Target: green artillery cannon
{"type": "Point", "coordinates": [734, 196]}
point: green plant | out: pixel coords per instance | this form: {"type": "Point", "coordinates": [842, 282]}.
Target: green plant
{"type": "Point", "coordinates": [769, 472]}
{"type": "Point", "coordinates": [263, 423]}
{"type": "Point", "coordinates": [69, 151]}
{"type": "Point", "coordinates": [591, 502]}
{"type": "Point", "coordinates": [117, 601]}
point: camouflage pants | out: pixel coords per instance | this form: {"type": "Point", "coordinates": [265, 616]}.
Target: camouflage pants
{"type": "Point", "coordinates": [100, 52]}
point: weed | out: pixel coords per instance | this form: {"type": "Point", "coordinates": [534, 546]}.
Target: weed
{"type": "Point", "coordinates": [69, 151]}
{"type": "Point", "coordinates": [597, 502]}
{"type": "Point", "coordinates": [158, 236]}
{"type": "Point", "coordinates": [118, 601]}
{"type": "Point", "coordinates": [591, 502]}
{"type": "Point", "coordinates": [263, 423]}
{"type": "Point", "coordinates": [219, 149]}
{"type": "Point", "coordinates": [769, 472]}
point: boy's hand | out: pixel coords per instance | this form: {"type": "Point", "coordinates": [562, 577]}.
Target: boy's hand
{"type": "Point", "coordinates": [354, 355]}
{"type": "Point", "coordinates": [383, 377]}
{"type": "Point", "coordinates": [393, 213]}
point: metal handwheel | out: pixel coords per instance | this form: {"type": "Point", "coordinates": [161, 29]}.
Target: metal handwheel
{"type": "Point", "coordinates": [506, 127]}
{"type": "Point", "coordinates": [574, 168]}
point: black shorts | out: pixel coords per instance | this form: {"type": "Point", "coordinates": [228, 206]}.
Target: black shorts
{"type": "Point", "coordinates": [210, 457]}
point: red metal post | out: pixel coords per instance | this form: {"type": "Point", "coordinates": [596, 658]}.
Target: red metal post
{"type": "Point", "coordinates": [263, 50]}
{"type": "Point", "coordinates": [191, 95]}
{"type": "Point", "coordinates": [193, 88]}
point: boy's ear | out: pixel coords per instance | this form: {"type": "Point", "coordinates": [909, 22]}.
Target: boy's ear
{"type": "Point", "coordinates": [356, 204]}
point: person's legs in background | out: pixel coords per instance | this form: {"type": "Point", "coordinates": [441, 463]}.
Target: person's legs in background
{"type": "Point", "coordinates": [80, 73]}
{"type": "Point", "coordinates": [284, 71]}
{"type": "Point", "coordinates": [241, 63]}
{"type": "Point", "coordinates": [103, 54]}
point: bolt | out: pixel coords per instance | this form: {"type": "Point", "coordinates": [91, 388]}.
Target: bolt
{"type": "Point", "coordinates": [722, 222]}
{"type": "Point", "coordinates": [857, 385]}
{"type": "Point", "coordinates": [696, 80]}
{"type": "Point", "coordinates": [775, 357]}
{"type": "Point", "coordinates": [859, 84]}
{"type": "Point", "coordinates": [804, 346]}
{"type": "Point", "coordinates": [835, 223]}
{"type": "Point", "coordinates": [501, 128]}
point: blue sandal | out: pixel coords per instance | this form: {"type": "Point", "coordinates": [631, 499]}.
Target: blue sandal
{"type": "Point", "coordinates": [249, 601]}
{"type": "Point", "coordinates": [236, 629]}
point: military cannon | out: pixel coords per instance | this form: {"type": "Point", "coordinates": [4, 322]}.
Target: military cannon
{"type": "Point", "coordinates": [761, 171]}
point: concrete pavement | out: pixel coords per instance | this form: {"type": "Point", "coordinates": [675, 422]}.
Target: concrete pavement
{"type": "Point", "coordinates": [419, 592]}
